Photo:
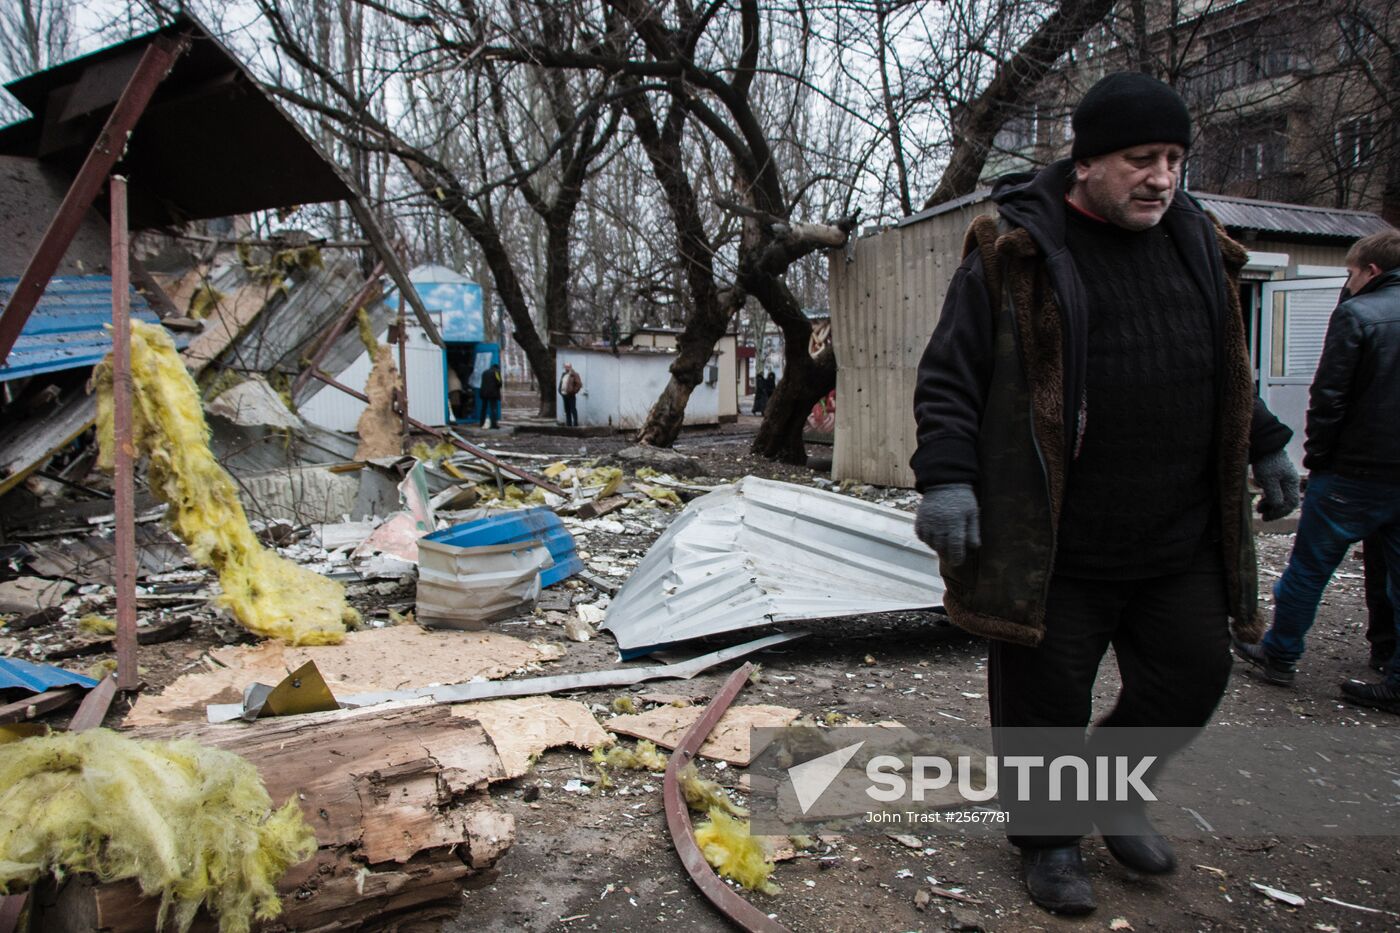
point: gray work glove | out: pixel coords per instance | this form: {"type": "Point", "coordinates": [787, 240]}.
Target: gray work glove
{"type": "Point", "coordinates": [1278, 478]}
{"type": "Point", "coordinates": [947, 521]}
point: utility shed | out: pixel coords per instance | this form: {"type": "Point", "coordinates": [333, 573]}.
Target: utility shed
{"type": "Point", "coordinates": [620, 386]}
{"type": "Point", "coordinates": [887, 289]}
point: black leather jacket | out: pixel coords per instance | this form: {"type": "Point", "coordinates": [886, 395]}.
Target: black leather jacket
{"type": "Point", "coordinates": [1354, 404]}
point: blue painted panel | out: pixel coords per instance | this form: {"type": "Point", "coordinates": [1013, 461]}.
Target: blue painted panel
{"type": "Point", "coordinates": [17, 674]}
{"type": "Point", "coordinates": [66, 329]}
{"type": "Point", "coordinates": [458, 305]}
{"type": "Point", "coordinates": [537, 524]}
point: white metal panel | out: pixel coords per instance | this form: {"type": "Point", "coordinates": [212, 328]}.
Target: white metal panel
{"type": "Point", "coordinates": [1305, 320]}
{"type": "Point", "coordinates": [1293, 325]}
{"type": "Point", "coordinates": [761, 551]}
{"type": "Point", "coordinates": [427, 388]}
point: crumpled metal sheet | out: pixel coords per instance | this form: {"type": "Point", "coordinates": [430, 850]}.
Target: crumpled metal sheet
{"type": "Point", "coordinates": [18, 674]}
{"type": "Point", "coordinates": [465, 587]}
{"type": "Point", "coordinates": [485, 569]}
{"type": "Point", "coordinates": [762, 551]}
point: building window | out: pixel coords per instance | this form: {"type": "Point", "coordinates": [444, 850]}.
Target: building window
{"type": "Point", "coordinates": [1020, 132]}
{"type": "Point", "coordinates": [1356, 141]}
{"type": "Point", "coordinates": [1356, 39]}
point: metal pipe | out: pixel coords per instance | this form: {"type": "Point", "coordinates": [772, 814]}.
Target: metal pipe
{"type": "Point", "coordinates": [123, 484]}
{"type": "Point", "coordinates": [452, 439]}
{"type": "Point", "coordinates": [324, 347]}
{"type": "Point", "coordinates": [403, 372]}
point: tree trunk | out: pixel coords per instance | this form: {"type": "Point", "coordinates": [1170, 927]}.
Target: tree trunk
{"type": "Point", "coordinates": [1014, 81]}
{"type": "Point", "coordinates": [711, 309]}
{"type": "Point", "coordinates": [398, 803]}
{"type": "Point", "coordinates": [696, 345]}
{"type": "Point", "coordinates": [806, 381]}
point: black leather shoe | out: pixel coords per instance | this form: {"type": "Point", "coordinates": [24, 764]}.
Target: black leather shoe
{"type": "Point", "coordinates": [1377, 696]}
{"type": "Point", "coordinates": [1269, 669]}
{"type": "Point", "coordinates": [1057, 881]}
{"type": "Point", "coordinates": [1148, 852]}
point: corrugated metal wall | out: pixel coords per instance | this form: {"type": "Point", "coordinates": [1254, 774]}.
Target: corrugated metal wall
{"type": "Point", "coordinates": [885, 298]}
{"type": "Point", "coordinates": [1300, 254]}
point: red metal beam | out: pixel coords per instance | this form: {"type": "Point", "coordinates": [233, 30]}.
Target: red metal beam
{"type": "Point", "coordinates": [155, 63]}
{"type": "Point", "coordinates": [739, 911]}
{"type": "Point", "coordinates": [453, 440]}
{"type": "Point", "coordinates": [403, 369]}
{"type": "Point", "coordinates": [123, 482]}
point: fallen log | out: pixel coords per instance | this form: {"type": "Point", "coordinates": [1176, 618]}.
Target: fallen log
{"type": "Point", "coordinates": [398, 801]}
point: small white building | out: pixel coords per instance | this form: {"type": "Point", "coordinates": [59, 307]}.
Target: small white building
{"type": "Point", "coordinates": [620, 387]}
{"type": "Point", "coordinates": [454, 303]}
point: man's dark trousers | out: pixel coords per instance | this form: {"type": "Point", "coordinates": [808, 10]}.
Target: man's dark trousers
{"type": "Point", "coordinates": [1380, 624]}
{"type": "Point", "coordinates": [571, 411]}
{"type": "Point", "coordinates": [1171, 638]}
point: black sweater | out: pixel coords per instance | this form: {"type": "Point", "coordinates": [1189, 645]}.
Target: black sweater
{"type": "Point", "coordinates": [1139, 491]}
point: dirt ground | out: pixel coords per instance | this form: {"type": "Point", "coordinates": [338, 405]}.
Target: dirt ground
{"type": "Point", "coordinates": [604, 861]}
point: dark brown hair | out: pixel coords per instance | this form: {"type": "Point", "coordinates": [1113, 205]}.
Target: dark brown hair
{"type": "Point", "coordinates": [1382, 248]}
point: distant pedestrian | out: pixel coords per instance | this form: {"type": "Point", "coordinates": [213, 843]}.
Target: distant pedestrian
{"type": "Point", "coordinates": [570, 385]}
{"type": "Point", "coordinates": [762, 392]}
{"type": "Point", "coordinates": [1352, 453]}
{"type": "Point", "coordinates": [491, 383]}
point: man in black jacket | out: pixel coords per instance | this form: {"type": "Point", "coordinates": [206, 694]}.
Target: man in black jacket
{"type": "Point", "coordinates": [1085, 414]}
{"type": "Point", "coordinates": [1352, 454]}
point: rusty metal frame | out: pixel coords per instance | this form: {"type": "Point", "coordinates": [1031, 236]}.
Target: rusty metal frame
{"type": "Point", "coordinates": [737, 910]}
{"type": "Point", "coordinates": [109, 146]}
{"type": "Point", "coordinates": [352, 306]}
{"type": "Point", "coordinates": [452, 439]}
{"type": "Point", "coordinates": [124, 480]}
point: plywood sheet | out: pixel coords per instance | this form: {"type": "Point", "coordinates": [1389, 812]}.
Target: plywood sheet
{"type": "Point", "coordinates": [729, 741]}
{"type": "Point", "coordinates": [522, 729]}
{"type": "Point", "coordinates": [368, 661]}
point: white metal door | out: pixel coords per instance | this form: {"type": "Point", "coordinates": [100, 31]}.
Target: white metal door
{"type": "Point", "coordinates": [1293, 323]}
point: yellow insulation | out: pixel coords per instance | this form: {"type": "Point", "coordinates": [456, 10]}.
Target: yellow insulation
{"type": "Point", "coordinates": [267, 593]}
{"type": "Point", "coordinates": [644, 757]}
{"type": "Point", "coordinates": [733, 852]}
{"type": "Point", "coordinates": [94, 624]}
{"type": "Point", "coordinates": [705, 795]}
{"type": "Point", "coordinates": [193, 825]}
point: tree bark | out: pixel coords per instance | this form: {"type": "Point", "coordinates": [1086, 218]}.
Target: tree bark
{"type": "Point", "coordinates": [805, 379]}
{"type": "Point", "coordinates": [397, 801]}
{"type": "Point", "coordinates": [711, 309]}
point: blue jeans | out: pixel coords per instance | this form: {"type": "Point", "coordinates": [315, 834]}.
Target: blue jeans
{"type": "Point", "coordinates": [490, 411]}
{"type": "Point", "coordinates": [1338, 511]}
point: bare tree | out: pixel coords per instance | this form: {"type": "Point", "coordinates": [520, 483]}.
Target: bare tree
{"type": "Point", "coordinates": [34, 34]}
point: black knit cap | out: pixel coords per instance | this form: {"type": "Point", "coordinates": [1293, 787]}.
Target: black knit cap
{"type": "Point", "coordinates": [1129, 109]}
